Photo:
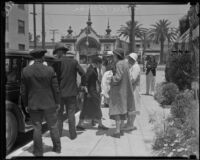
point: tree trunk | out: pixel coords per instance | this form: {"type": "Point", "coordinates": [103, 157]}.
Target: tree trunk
{"type": "Point", "coordinates": [161, 51]}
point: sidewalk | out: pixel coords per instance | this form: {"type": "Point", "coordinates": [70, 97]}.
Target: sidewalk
{"type": "Point", "coordinates": [93, 142]}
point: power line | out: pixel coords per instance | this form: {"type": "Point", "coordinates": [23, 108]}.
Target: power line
{"type": "Point", "coordinates": [111, 15]}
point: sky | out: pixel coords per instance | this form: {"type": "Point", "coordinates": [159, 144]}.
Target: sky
{"type": "Point", "coordinates": [61, 16]}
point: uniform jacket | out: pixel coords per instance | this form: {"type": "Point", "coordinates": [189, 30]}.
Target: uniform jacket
{"type": "Point", "coordinates": [121, 92]}
{"type": "Point", "coordinates": [39, 87]}
{"type": "Point", "coordinates": [68, 77]}
{"type": "Point", "coordinates": [151, 66]}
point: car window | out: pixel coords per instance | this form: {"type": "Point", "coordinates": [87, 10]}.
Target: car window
{"type": "Point", "coordinates": [13, 70]}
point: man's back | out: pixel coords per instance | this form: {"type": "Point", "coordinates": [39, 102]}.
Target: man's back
{"type": "Point", "coordinates": [40, 83]}
{"type": "Point", "coordinates": [68, 78]}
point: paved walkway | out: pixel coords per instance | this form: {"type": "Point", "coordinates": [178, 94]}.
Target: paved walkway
{"type": "Point", "coordinates": [93, 142]}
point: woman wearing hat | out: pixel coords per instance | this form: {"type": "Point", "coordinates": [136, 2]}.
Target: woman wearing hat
{"type": "Point", "coordinates": [121, 93]}
{"type": "Point", "coordinates": [91, 107]}
{"type": "Point", "coordinates": [135, 80]}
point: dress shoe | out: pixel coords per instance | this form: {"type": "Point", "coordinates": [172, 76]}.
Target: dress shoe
{"type": "Point", "coordinates": [121, 132]}
{"type": "Point", "coordinates": [116, 135]}
{"type": "Point", "coordinates": [80, 128]}
{"type": "Point", "coordinates": [57, 150]}
{"type": "Point", "coordinates": [102, 127]}
{"type": "Point", "coordinates": [37, 154]}
{"type": "Point", "coordinates": [129, 128]}
{"type": "Point", "coordinates": [73, 137]}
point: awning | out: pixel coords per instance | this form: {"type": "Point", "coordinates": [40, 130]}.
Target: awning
{"type": "Point", "coordinates": [184, 38]}
{"type": "Point", "coordinates": [195, 33]}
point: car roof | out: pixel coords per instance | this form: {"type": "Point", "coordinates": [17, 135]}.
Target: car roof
{"type": "Point", "coordinates": [17, 53]}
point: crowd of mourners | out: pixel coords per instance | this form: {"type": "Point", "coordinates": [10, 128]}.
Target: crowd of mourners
{"type": "Point", "coordinates": [112, 82]}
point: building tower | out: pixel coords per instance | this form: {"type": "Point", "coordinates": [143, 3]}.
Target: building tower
{"type": "Point", "coordinates": [69, 31]}
{"type": "Point", "coordinates": [89, 22]}
{"type": "Point", "coordinates": [108, 30]}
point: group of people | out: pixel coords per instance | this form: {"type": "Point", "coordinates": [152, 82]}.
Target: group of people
{"type": "Point", "coordinates": [47, 90]}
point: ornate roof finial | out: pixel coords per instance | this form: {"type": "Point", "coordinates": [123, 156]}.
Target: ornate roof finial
{"type": "Point", "coordinates": [89, 23]}
{"type": "Point", "coordinates": [108, 30]}
{"type": "Point", "coordinates": [70, 30]}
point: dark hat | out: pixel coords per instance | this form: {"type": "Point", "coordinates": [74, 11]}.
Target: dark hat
{"type": "Point", "coordinates": [38, 53]}
{"type": "Point", "coordinates": [119, 52]}
{"type": "Point", "coordinates": [60, 46]}
{"type": "Point", "coordinates": [96, 60]}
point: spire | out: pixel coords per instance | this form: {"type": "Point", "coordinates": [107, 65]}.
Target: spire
{"type": "Point", "coordinates": [89, 23]}
{"type": "Point", "coordinates": [70, 30]}
{"type": "Point", "coordinates": [108, 30]}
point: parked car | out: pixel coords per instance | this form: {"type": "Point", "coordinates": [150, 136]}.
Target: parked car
{"type": "Point", "coordinates": [17, 118]}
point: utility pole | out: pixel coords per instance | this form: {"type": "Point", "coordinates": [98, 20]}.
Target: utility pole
{"type": "Point", "coordinates": [133, 26]}
{"type": "Point", "coordinates": [34, 25]}
{"type": "Point", "coordinates": [43, 27]}
{"type": "Point", "coordinates": [54, 31]}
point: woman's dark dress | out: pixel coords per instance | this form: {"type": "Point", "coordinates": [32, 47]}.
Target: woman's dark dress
{"type": "Point", "coordinates": [91, 107]}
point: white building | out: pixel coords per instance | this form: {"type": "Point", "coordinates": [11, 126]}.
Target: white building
{"type": "Point", "coordinates": [17, 28]}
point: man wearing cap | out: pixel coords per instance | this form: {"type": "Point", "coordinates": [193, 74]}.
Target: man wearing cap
{"type": "Point", "coordinates": [40, 93]}
{"type": "Point", "coordinates": [135, 80]}
{"type": "Point", "coordinates": [68, 69]}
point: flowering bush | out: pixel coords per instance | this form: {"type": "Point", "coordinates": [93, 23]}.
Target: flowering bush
{"type": "Point", "coordinates": [180, 137]}
{"type": "Point", "coordinates": [182, 105]}
{"type": "Point", "coordinates": [166, 93]}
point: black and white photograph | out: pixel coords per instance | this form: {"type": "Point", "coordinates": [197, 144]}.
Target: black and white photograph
{"type": "Point", "coordinates": [101, 79]}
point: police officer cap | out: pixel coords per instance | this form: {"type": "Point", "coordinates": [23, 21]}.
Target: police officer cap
{"type": "Point", "coordinates": [119, 52]}
{"type": "Point", "coordinates": [38, 53]}
{"type": "Point", "coordinates": [60, 46]}
{"type": "Point", "coordinates": [70, 53]}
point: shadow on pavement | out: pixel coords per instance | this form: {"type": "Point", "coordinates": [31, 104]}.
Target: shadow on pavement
{"type": "Point", "coordinates": [46, 148]}
{"type": "Point", "coordinates": [110, 131]}
{"type": "Point", "coordinates": [65, 133]}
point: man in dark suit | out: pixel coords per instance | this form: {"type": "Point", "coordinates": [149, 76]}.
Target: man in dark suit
{"type": "Point", "coordinates": [69, 67]}
{"type": "Point", "coordinates": [40, 93]}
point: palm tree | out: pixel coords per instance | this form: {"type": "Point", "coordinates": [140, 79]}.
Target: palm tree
{"type": "Point", "coordinates": [159, 33]}
{"type": "Point", "coordinates": [125, 31]}
{"type": "Point", "coordinates": [172, 35]}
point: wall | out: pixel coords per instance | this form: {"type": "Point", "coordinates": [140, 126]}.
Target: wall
{"type": "Point", "coordinates": [12, 36]}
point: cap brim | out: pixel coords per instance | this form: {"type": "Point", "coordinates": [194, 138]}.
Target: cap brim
{"type": "Point", "coordinates": [63, 48]}
{"type": "Point", "coordinates": [117, 54]}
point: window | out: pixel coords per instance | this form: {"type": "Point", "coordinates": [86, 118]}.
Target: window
{"type": "Point", "coordinates": [21, 26]}
{"type": "Point", "coordinates": [7, 24]}
{"type": "Point", "coordinates": [69, 46]}
{"type": "Point", "coordinates": [148, 45]}
{"type": "Point", "coordinates": [21, 47]}
{"type": "Point", "coordinates": [12, 67]}
{"type": "Point", "coordinates": [138, 45]}
{"type": "Point", "coordinates": [7, 45]}
{"type": "Point", "coordinates": [21, 6]}
{"type": "Point", "coordinates": [107, 47]}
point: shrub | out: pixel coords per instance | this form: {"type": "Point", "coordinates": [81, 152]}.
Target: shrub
{"type": "Point", "coordinates": [179, 70]}
{"type": "Point", "coordinates": [165, 93]}
{"type": "Point", "coordinates": [184, 107]}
